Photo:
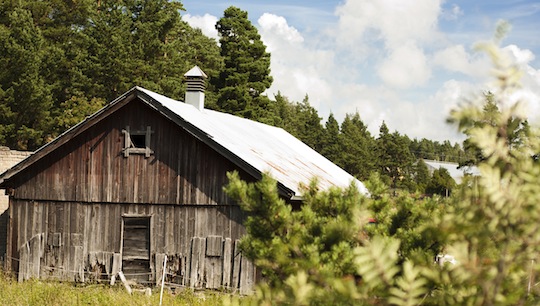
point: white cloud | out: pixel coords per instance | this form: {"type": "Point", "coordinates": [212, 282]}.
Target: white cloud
{"type": "Point", "coordinates": [530, 81]}
{"type": "Point", "coordinates": [405, 67]}
{"type": "Point", "coordinates": [520, 57]}
{"type": "Point", "coordinates": [297, 69]}
{"type": "Point", "coordinates": [396, 21]}
{"type": "Point", "coordinates": [278, 25]}
{"type": "Point", "coordinates": [456, 59]}
{"type": "Point", "coordinates": [301, 67]}
{"type": "Point", "coordinates": [206, 23]}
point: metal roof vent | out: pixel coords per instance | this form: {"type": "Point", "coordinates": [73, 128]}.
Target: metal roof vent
{"type": "Point", "coordinates": [195, 81]}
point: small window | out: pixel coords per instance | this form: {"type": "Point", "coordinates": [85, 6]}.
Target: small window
{"type": "Point", "coordinates": [137, 141]}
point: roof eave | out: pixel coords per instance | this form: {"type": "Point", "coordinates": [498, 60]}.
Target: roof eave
{"type": "Point", "coordinates": [66, 136]}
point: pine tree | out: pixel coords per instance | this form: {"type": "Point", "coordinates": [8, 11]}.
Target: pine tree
{"type": "Point", "coordinates": [331, 146]}
{"type": "Point", "coordinates": [395, 161]}
{"type": "Point", "coordinates": [25, 98]}
{"type": "Point", "coordinates": [357, 157]}
{"type": "Point", "coordinates": [246, 74]}
{"type": "Point", "coordinates": [441, 183]}
{"type": "Point", "coordinates": [421, 176]}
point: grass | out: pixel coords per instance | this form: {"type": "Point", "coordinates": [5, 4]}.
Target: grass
{"type": "Point", "coordinates": [36, 292]}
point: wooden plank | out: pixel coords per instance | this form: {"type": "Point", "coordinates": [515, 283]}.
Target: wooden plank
{"type": "Point", "coordinates": [214, 246]}
{"type": "Point", "coordinates": [67, 227]}
{"type": "Point", "coordinates": [36, 219]}
{"type": "Point", "coordinates": [227, 262]}
{"type": "Point", "coordinates": [23, 262]}
{"type": "Point", "coordinates": [202, 263]}
{"type": "Point", "coordinates": [9, 252]}
{"type": "Point", "coordinates": [76, 266]}
{"type": "Point", "coordinates": [170, 243]}
{"type": "Point", "coordinates": [34, 256]}
{"type": "Point", "coordinates": [213, 272]}
{"type": "Point", "coordinates": [116, 266]}
{"type": "Point", "coordinates": [160, 258]}
{"type": "Point", "coordinates": [23, 237]}
{"type": "Point", "coordinates": [194, 261]}
{"type": "Point", "coordinates": [201, 222]}
{"type": "Point", "coordinates": [246, 276]}
{"type": "Point", "coordinates": [86, 229]}
{"type": "Point", "coordinates": [237, 259]}
{"type": "Point", "coordinates": [177, 229]}
{"type": "Point", "coordinates": [159, 233]}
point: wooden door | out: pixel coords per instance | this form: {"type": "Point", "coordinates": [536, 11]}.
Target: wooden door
{"type": "Point", "coordinates": [136, 249]}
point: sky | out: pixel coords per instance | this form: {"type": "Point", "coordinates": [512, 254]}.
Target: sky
{"type": "Point", "coordinates": [404, 62]}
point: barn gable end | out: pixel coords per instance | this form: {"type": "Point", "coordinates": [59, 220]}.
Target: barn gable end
{"type": "Point", "coordinates": [68, 209]}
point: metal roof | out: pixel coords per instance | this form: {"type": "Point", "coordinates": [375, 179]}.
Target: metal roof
{"type": "Point", "coordinates": [453, 169]}
{"type": "Point", "coordinates": [264, 147]}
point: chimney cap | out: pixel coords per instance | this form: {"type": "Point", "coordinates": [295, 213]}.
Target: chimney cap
{"type": "Point", "coordinates": [195, 72]}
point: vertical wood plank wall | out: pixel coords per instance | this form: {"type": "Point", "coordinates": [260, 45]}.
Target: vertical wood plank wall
{"type": "Point", "coordinates": [66, 209]}
{"type": "Point", "coordinates": [91, 167]}
{"type": "Point", "coordinates": [78, 242]}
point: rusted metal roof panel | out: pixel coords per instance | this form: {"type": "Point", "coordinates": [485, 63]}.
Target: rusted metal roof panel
{"type": "Point", "coordinates": [266, 148]}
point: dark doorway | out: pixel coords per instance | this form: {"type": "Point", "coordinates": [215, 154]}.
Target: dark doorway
{"type": "Point", "coordinates": [136, 249]}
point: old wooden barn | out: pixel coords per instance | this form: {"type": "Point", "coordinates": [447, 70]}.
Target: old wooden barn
{"type": "Point", "coordinates": [140, 181]}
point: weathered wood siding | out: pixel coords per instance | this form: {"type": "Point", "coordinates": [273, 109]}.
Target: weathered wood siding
{"type": "Point", "coordinates": [92, 168]}
{"type": "Point", "coordinates": [67, 209]}
{"type": "Point", "coordinates": [77, 242]}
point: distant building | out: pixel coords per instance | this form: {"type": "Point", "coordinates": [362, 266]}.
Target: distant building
{"type": "Point", "coordinates": [453, 169]}
{"type": "Point", "coordinates": [8, 158]}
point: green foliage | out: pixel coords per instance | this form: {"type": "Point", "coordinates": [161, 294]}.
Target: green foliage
{"type": "Point", "coordinates": [490, 226]}
{"type": "Point", "coordinates": [394, 159]}
{"type": "Point", "coordinates": [499, 257]}
{"type": "Point", "coordinates": [441, 183]}
{"type": "Point", "coordinates": [246, 74]}
{"type": "Point", "coordinates": [25, 99]}
{"type": "Point", "coordinates": [323, 254]}
{"type": "Point", "coordinates": [421, 175]}
{"type": "Point", "coordinates": [300, 119]}
{"type": "Point", "coordinates": [357, 156]}
{"type": "Point", "coordinates": [61, 60]}
{"type": "Point", "coordinates": [284, 242]}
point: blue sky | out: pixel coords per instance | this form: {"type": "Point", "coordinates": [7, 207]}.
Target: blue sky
{"type": "Point", "coordinates": [405, 62]}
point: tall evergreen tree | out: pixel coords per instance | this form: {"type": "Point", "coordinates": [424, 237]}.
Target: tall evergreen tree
{"type": "Point", "coordinates": [66, 59]}
{"type": "Point", "coordinates": [422, 176]}
{"type": "Point", "coordinates": [331, 146]}
{"type": "Point", "coordinates": [307, 124]}
{"type": "Point", "coordinates": [357, 157]}
{"type": "Point", "coordinates": [25, 98]}
{"type": "Point", "coordinates": [247, 66]}
{"type": "Point", "coordinates": [394, 159]}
